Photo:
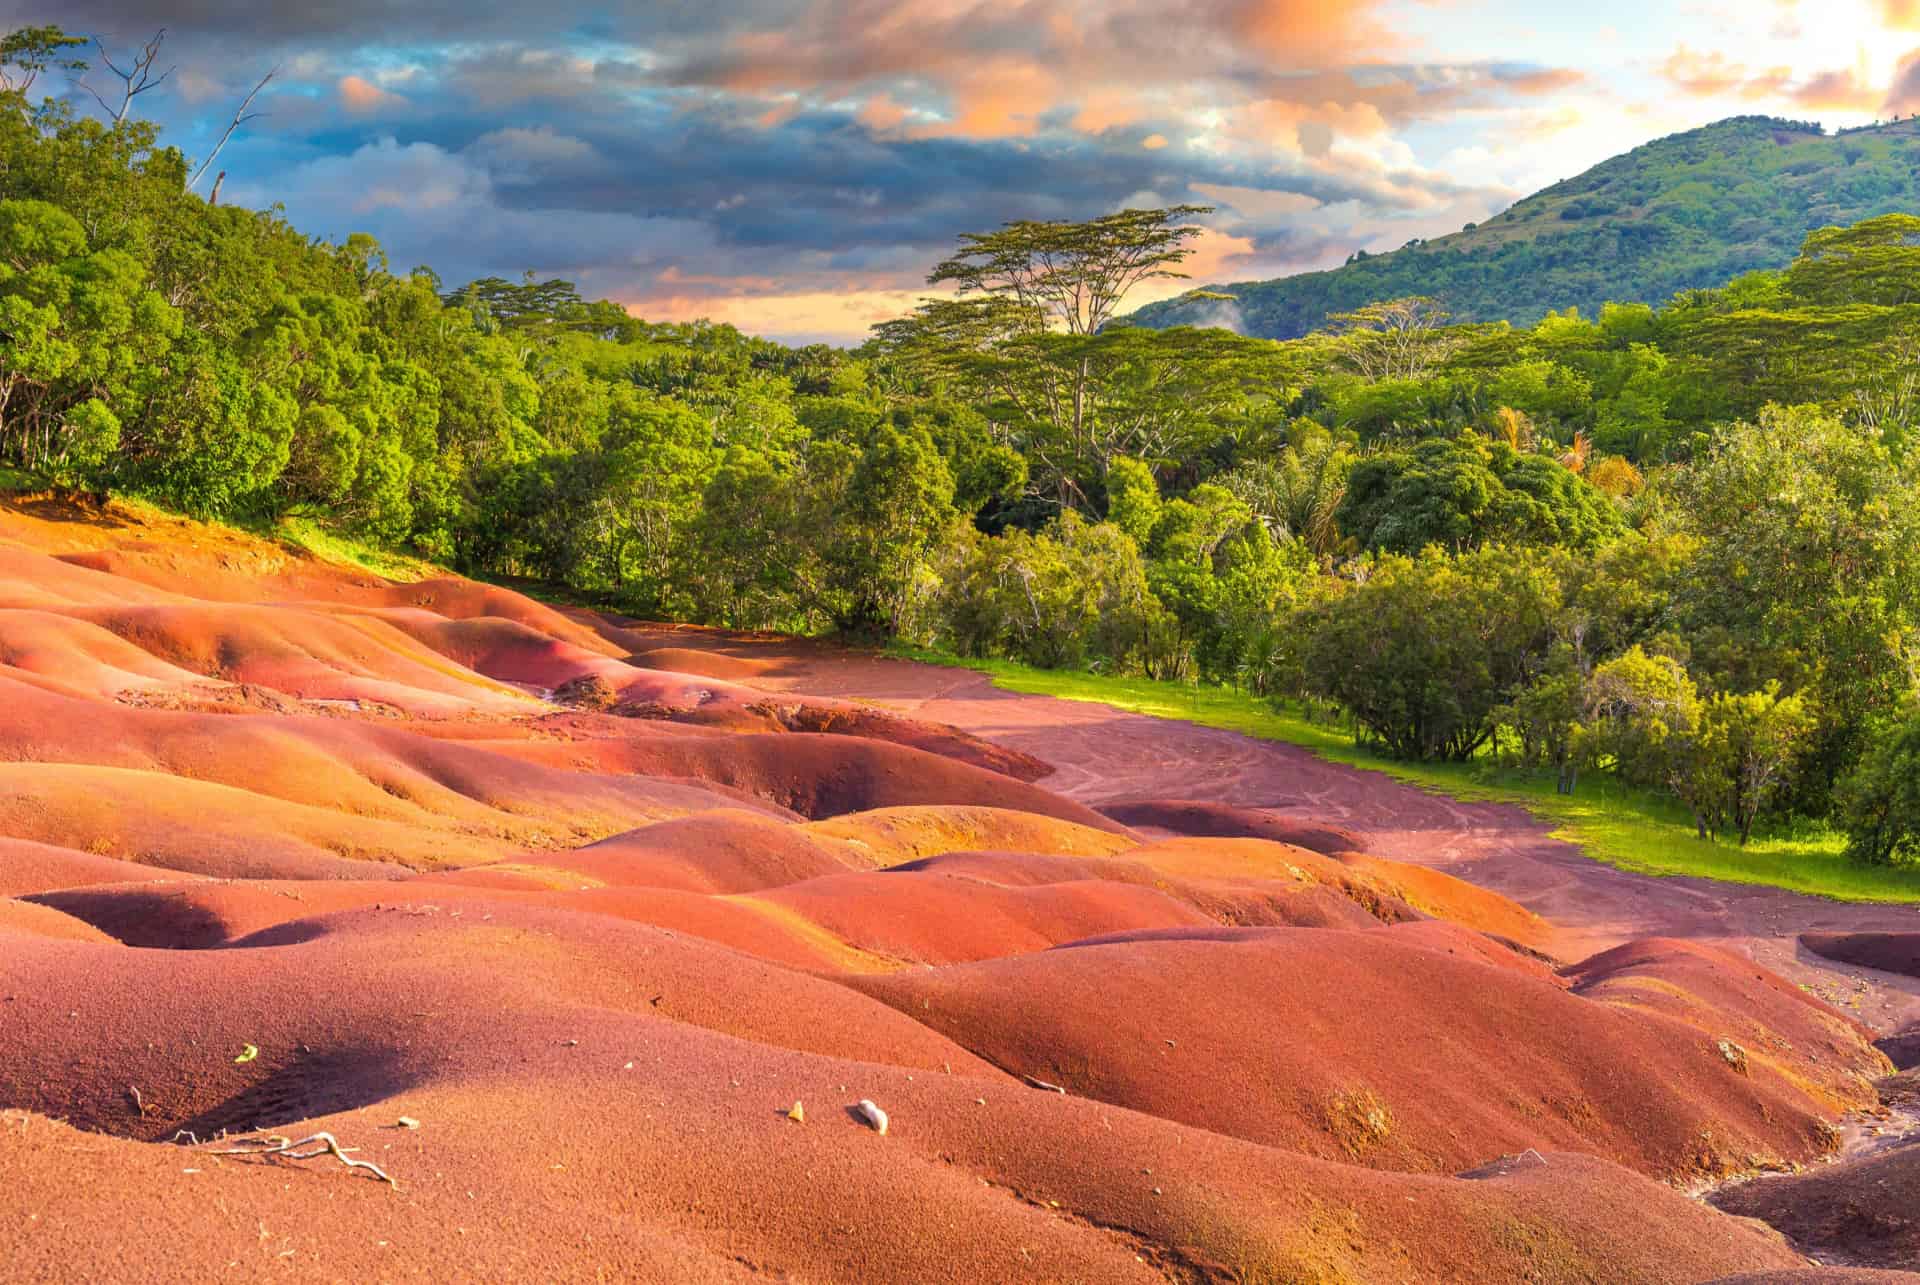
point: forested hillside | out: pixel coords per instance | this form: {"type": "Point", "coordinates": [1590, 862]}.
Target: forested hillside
{"type": "Point", "coordinates": [1680, 213]}
{"type": "Point", "coordinates": [1670, 543]}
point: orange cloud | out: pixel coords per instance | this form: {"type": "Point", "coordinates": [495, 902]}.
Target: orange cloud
{"type": "Point", "coordinates": [1902, 15]}
{"type": "Point", "coordinates": [1106, 108]}
{"type": "Point", "coordinates": [881, 114]}
{"type": "Point", "coordinates": [845, 316]}
{"type": "Point", "coordinates": [1714, 75]}
{"type": "Point", "coordinates": [361, 96]}
{"type": "Point", "coordinates": [1903, 96]}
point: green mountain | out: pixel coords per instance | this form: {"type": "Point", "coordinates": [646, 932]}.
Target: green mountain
{"type": "Point", "coordinates": [1688, 211]}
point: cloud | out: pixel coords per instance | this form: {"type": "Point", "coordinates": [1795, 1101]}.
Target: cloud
{"type": "Point", "coordinates": [363, 97]}
{"type": "Point", "coordinates": [1714, 75]}
{"type": "Point", "coordinates": [1899, 14]}
{"type": "Point", "coordinates": [431, 206]}
{"type": "Point", "coordinates": [798, 165]}
{"type": "Point", "coordinates": [1903, 96]}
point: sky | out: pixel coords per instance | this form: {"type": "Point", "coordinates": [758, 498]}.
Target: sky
{"type": "Point", "coordinates": [795, 167]}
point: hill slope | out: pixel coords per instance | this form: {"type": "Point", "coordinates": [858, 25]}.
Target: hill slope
{"type": "Point", "coordinates": [1687, 211]}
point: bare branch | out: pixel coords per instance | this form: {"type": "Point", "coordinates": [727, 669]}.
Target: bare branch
{"type": "Point", "coordinates": [135, 79]}
{"type": "Point", "coordinates": [288, 1149]}
{"type": "Point", "coordinates": [240, 117]}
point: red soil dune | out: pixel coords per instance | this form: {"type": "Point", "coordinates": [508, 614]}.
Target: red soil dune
{"type": "Point", "coordinates": [25, 918]}
{"type": "Point", "coordinates": [1888, 952]}
{"type": "Point", "coordinates": [287, 847]}
{"type": "Point", "coordinates": [310, 655]}
{"type": "Point", "coordinates": [815, 775]}
{"type": "Point", "coordinates": [890, 836]}
{"type": "Point", "coordinates": [1823, 1276]}
{"type": "Point", "coordinates": [1357, 1045]}
{"type": "Point", "coordinates": [76, 657]}
{"type": "Point", "coordinates": [570, 1125]}
{"type": "Point", "coordinates": [1867, 1211]}
{"type": "Point", "coordinates": [27, 867]}
{"type": "Point", "coordinates": [713, 852]}
{"type": "Point", "coordinates": [692, 660]}
{"type": "Point", "coordinates": [1222, 821]}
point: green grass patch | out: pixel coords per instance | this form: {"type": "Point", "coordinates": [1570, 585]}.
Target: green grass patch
{"type": "Point", "coordinates": [327, 543]}
{"type": "Point", "coordinates": [1613, 822]}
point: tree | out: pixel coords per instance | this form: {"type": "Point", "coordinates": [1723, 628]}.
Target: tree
{"type": "Point", "coordinates": [1725, 757]}
{"type": "Point", "coordinates": [1545, 715]}
{"type": "Point", "coordinates": [1073, 275]}
{"type": "Point", "coordinates": [136, 78]}
{"type": "Point", "coordinates": [77, 330]}
{"type": "Point", "coordinates": [1042, 292]}
{"type": "Point", "coordinates": [1875, 261]}
{"type": "Point", "coordinates": [1803, 571]}
{"type": "Point", "coordinates": [1133, 499]}
{"type": "Point", "coordinates": [1073, 403]}
{"type": "Point", "coordinates": [1464, 492]}
{"type": "Point", "coordinates": [1072, 594]}
{"type": "Point", "coordinates": [26, 52]}
{"type": "Point", "coordinates": [1423, 652]}
{"type": "Point", "coordinates": [1398, 339]}
{"type": "Point", "coordinates": [1879, 801]}
{"type": "Point", "coordinates": [1297, 492]}
{"type": "Point", "coordinates": [1754, 739]}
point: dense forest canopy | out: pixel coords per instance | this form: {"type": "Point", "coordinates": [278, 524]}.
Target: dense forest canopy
{"type": "Point", "coordinates": [1681, 213]}
{"type": "Point", "coordinates": [1669, 542]}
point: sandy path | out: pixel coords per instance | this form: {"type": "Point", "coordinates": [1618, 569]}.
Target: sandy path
{"type": "Point", "coordinates": [1103, 754]}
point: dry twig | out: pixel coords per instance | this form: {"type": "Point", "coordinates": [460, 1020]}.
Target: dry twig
{"type": "Point", "coordinates": [285, 1148]}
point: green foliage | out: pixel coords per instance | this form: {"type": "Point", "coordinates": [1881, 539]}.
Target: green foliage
{"type": "Point", "coordinates": [1133, 498]}
{"type": "Point", "coordinates": [1064, 597]}
{"type": "Point", "coordinates": [1423, 651]}
{"type": "Point", "coordinates": [1803, 571]}
{"type": "Point", "coordinates": [1464, 492]}
{"type": "Point", "coordinates": [1879, 804]}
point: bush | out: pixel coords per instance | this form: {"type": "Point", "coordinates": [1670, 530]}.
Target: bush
{"type": "Point", "coordinates": [1879, 801]}
{"type": "Point", "coordinates": [1424, 651]}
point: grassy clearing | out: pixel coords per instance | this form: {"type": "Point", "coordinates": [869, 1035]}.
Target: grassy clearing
{"type": "Point", "coordinates": [327, 544]}
{"type": "Point", "coordinates": [1612, 822]}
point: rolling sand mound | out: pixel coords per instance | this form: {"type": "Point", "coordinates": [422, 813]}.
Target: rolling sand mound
{"type": "Point", "coordinates": [1866, 1210]}
{"type": "Point", "coordinates": [569, 1103]}
{"type": "Point", "coordinates": [1643, 1089]}
{"type": "Point", "coordinates": [1823, 1276]}
{"type": "Point", "coordinates": [1888, 952]}
{"type": "Point", "coordinates": [1221, 821]}
{"type": "Point", "coordinates": [591, 908]}
{"type": "Point", "coordinates": [717, 852]}
{"type": "Point", "coordinates": [27, 867]}
{"type": "Point", "coordinates": [307, 654]}
{"type": "Point", "coordinates": [25, 918]}
{"type": "Point", "coordinates": [891, 836]}
{"type": "Point", "coordinates": [814, 775]}
{"type": "Point", "coordinates": [707, 664]}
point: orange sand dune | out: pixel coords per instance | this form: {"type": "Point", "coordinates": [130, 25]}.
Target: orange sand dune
{"type": "Point", "coordinates": [707, 664]}
{"type": "Point", "coordinates": [570, 1126]}
{"type": "Point", "coordinates": [285, 846]}
{"type": "Point", "coordinates": [308, 654]}
{"type": "Point", "coordinates": [816, 775]}
{"type": "Point", "coordinates": [1338, 1043]}
{"type": "Point", "coordinates": [27, 867]}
